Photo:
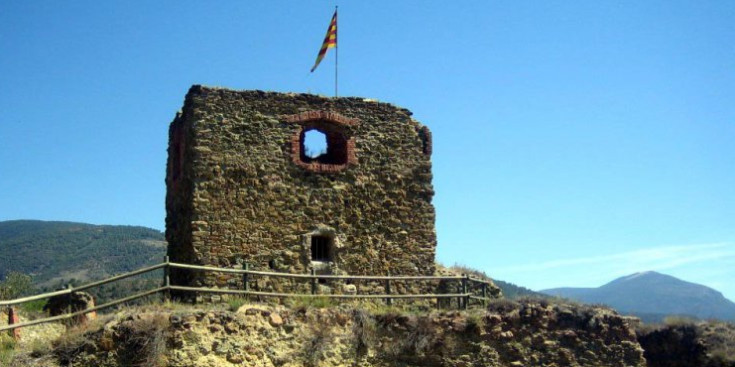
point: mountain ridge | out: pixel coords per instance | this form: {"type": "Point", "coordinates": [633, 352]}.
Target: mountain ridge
{"type": "Point", "coordinates": [58, 251]}
{"type": "Point", "coordinates": [652, 296]}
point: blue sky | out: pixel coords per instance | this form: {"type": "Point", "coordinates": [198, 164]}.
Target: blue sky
{"type": "Point", "coordinates": [574, 141]}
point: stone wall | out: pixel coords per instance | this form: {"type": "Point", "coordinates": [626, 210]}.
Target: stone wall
{"type": "Point", "coordinates": [241, 188]}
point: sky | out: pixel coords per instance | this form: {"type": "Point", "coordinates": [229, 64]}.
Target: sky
{"type": "Point", "coordinates": [574, 141]}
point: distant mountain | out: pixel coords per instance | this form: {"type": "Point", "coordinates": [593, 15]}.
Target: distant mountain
{"type": "Point", "coordinates": [652, 296]}
{"type": "Point", "coordinates": [55, 253]}
{"type": "Point", "coordinates": [512, 291]}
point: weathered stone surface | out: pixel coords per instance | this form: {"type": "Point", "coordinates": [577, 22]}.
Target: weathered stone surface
{"type": "Point", "coordinates": [241, 190]}
{"type": "Point", "coordinates": [275, 320]}
{"type": "Point", "coordinates": [349, 289]}
{"type": "Point", "coordinates": [74, 302]}
{"type": "Point", "coordinates": [356, 337]}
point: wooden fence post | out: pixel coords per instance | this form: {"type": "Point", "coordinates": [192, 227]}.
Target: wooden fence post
{"type": "Point", "coordinates": [246, 279]}
{"type": "Point", "coordinates": [466, 296]}
{"type": "Point", "coordinates": [313, 281]}
{"type": "Point", "coordinates": [166, 279]}
{"type": "Point", "coordinates": [69, 298]}
{"type": "Point", "coordinates": [388, 301]}
{"type": "Point", "coordinates": [13, 319]}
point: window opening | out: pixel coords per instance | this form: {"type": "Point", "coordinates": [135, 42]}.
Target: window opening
{"type": "Point", "coordinates": [323, 146]}
{"type": "Point", "coordinates": [320, 248]}
{"type": "Point", "coordinates": [315, 143]}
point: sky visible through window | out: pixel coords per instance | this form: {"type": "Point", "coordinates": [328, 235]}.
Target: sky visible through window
{"type": "Point", "coordinates": [315, 143]}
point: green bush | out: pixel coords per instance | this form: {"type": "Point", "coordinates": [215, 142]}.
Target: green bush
{"type": "Point", "coordinates": [33, 309]}
{"type": "Point", "coordinates": [15, 285]}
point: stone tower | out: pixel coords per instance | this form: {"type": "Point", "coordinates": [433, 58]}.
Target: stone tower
{"type": "Point", "coordinates": [242, 186]}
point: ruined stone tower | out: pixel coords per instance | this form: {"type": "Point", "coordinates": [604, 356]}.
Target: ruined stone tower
{"type": "Point", "coordinates": [243, 187]}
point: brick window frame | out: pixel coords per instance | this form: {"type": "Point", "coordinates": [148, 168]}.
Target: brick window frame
{"type": "Point", "coordinates": [340, 144]}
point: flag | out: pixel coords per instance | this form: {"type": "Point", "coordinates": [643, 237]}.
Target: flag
{"type": "Point", "coordinates": [330, 40]}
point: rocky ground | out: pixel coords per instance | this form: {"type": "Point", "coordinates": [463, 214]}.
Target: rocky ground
{"type": "Point", "coordinates": [527, 333]}
{"type": "Point", "coordinates": [684, 343]}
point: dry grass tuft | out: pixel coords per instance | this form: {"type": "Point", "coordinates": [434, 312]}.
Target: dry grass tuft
{"type": "Point", "coordinates": [318, 338]}
{"type": "Point", "coordinates": [142, 341]}
{"type": "Point", "coordinates": [365, 331]}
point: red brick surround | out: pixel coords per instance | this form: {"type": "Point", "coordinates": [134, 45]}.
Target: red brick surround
{"type": "Point", "coordinates": [341, 147]}
{"type": "Point", "coordinates": [327, 116]}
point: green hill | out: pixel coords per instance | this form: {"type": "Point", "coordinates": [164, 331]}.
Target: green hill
{"type": "Point", "coordinates": [56, 253]}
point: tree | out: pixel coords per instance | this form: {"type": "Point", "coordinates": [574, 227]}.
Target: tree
{"type": "Point", "coordinates": [14, 285]}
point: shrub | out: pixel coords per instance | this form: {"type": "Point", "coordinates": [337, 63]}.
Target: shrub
{"type": "Point", "coordinates": [34, 309]}
{"type": "Point", "coordinates": [142, 341]}
{"type": "Point", "coordinates": [73, 343]}
{"type": "Point", "coordinates": [15, 285]}
{"type": "Point", "coordinates": [503, 305]}
{"type": "Point", "coordinates": [475, 322]}
{"type": "Point", "coordinates": [364, 330]}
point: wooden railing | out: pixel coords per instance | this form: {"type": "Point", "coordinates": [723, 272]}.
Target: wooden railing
{"type": "Point", "coordinates": [467, 288]}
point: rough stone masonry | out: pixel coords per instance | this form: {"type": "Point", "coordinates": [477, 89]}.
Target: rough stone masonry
{"type": "Point", "coordinates": [243, 187]}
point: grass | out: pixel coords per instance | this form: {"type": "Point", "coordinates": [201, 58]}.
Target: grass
{"type": "Point", "coordinates": [311, 302]}
{"type": "Point", "coordinates": [679, 321]}
{"type": "Point", "coordinates": [7, 349]}
{"type": "Point", "coordinates": [464, 269]}
{"type": "Point", "coordinates": [234, 303]}
{"type": "Point", "coordinates": [475, 322]}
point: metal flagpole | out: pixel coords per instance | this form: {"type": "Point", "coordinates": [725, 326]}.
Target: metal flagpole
{"type": "Point", "coordinates": [336, 51]}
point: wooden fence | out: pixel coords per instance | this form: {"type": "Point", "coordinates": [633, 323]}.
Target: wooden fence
{"type": "Point", "coordinates": [469, 289]}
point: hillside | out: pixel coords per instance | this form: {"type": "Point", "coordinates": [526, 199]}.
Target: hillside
{"type": "Point", "coordinates": [651, 296]}
{"type": "Point", "coordinates": [510, 290]}
{"type": "Point", "coordinates": [55, 253]}
{"type": "Point", "coordinates": [513, 291]}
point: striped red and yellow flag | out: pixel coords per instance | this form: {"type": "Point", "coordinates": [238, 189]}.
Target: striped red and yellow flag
{"type": "Point", "coordinates": [330, 41]}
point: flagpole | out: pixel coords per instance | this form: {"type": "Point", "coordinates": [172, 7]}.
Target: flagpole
{"type": "Point", "coordinates": [336, 57]}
